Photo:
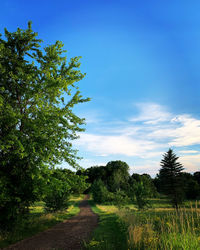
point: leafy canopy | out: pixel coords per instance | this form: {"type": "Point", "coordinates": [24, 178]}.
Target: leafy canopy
{"type": "Point", "coordinates": [38, 90]}
{"type": "Point", "coordinates": [37, 93]}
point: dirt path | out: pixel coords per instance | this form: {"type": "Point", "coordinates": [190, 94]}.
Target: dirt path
{"type": "Point", "coordinates": [66, 235]}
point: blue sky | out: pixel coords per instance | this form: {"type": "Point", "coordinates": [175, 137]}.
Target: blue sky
{"type": "Point", "coordinates": [142, 65]}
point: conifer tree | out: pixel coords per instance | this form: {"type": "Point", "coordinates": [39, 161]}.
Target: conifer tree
{"type": "Point", "coordinates": [170, 177]}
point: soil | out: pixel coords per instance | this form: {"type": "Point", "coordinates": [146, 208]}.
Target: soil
{"type": "Point", "coordinates": [69, 234]}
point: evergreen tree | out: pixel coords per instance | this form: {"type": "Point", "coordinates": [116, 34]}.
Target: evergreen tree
{"type": "Point", "coordinates": [170, 177]}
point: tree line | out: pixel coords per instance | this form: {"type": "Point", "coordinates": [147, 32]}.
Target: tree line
{"type": "Point", "coordinates": [113, 183]}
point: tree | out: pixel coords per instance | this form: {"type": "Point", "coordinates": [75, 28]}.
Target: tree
{"type": "Point", "coordinates": [99, 191]}
{"type": "Point", "coordinates": [170, 177]}
{"type": "Point", "coordinates": [37, 124]}
{"type": "Point", "coordinates": [191, 186]}
{"type": "Point", "coordinates": [197, 177]}
{"type": "Point", "coordinates": [117, 175]}
{"type": "Point", "coordinates": [150, 189]}
{"type": "Point", "coordinates": [141, 194]}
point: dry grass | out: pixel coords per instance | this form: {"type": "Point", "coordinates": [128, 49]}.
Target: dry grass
{"type": "Point", "coordinates": [163, 229]}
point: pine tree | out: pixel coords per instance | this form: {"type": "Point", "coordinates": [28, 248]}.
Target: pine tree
{"type": "Point", "coordinates": [170, 177]}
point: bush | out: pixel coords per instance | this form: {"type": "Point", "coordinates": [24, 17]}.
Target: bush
{"type": "Point", "coordinates": [99, 191]}
{"type": "Point", "coordinates": [57, 195]}
{"type": "Point", "coordinates": [102, 195]}
{"type": "Point", "coordinates": [141, 195]}
{"type": "Point", "coordinates": [120, 198]}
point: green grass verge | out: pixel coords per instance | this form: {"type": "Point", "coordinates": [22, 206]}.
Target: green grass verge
{"type": "Point", "coordinates": [38, 221]}
{"type": "Point", "coordinates": [111, 232]}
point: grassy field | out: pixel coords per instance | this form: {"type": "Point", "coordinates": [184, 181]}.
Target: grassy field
{"type": "Point", "coordinates": [38, 221]}
{"type": "Point", "coordinates": [159, 227]}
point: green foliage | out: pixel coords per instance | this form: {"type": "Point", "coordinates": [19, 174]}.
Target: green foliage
{"type": "Point", "coordinates": [190, 186]}
{"type": "Point", "coordinates": [196, 176]}
{"type": "Point", "coordinates": [117, 175]}
{"type": "Point", "coordinates": [101, 195]}
{"type": "Point", "coordinates": [120, 198]}
{"type": "Point", "coordinates": [114, 175]}
{"type": "Point", "coordinates": [113, 184]}
{"type": "Point", "coordinates": [62, 183]}
{"type": "Point", "coordinates": [57, 195]}
{"type": "Point", "coordinates": [99, 191]}
{"type": "Point", "coordinates": [77, 183]}
{"type": "Point", "coordinates": [170, 177]}
{"type": "Point", "coordinates": [148, 185]}
{"type": "Point", "coordinates": [141, 194]}
{"type": "Point", "coordinates": [37, 125]}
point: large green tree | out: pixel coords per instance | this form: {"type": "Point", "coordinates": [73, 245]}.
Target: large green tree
{"type": "Point", "coordinates": [38, 91]}
{"type": "Point", "coordinates": [170, 177]}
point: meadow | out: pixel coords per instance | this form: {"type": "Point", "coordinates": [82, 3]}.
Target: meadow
{"type": "Point", "coordinates": [158, 227]}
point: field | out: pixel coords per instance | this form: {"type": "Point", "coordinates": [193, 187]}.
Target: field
{"type": "Point", "coordinates": [159, 227]}
{"type": "Point", "coordinates": [38, 220]}
{"type": "Point", "coordinates": [122, 228]}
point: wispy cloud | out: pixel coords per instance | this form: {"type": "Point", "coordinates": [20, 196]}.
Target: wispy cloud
{"type": "Point", "coordinates": [188, 132]}
{"type": "Point", "coordinates": [191, 163]}
{"type": "Point", "coordinates": [151, 113]}
{"type": "Point", "coordinates": [116, 145]}
{"type": "Point", "coordinates": [150, 167]}
{"type": "Point", "coordinates": [188, 151]}
{"type": "Point", "coordinates": [145, 136]}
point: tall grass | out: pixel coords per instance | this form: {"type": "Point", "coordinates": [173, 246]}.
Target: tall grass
{"type": "Point", "coordinates": [163, 229]}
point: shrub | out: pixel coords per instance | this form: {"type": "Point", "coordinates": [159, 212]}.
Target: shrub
{"type": "Point", "coordinates": [141, 195]}
{"type": "Point", "coordinates": [120, 198]}
{"type": "Point", "coordinates": [99, 191]}
{"type": "Point", "coordinates": [57, 195]}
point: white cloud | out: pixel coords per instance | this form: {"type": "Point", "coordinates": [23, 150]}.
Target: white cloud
{"type": "Point", "coordinates": [109, 145]}
{"type": "Point", "coordinates": [87, 163]}
{"type": "Point", "coordinates": [151, 113]}
{"type": "Point", "coordinates": [188, 133]}
{"type": "Point", "coordinates": [191, 163]}
{"type": "Point", "coordinates": [150, 167]}
{"type": "Point", "coordinates": [188, 151]}
{"type": "Point", "coordinates": [146, 136]}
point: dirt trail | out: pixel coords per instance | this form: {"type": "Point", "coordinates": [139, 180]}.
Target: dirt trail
{"type": "Point", "coordinates": [66, 235]}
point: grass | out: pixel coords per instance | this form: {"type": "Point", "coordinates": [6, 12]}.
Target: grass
{"type": "Point", "coordinates": [159, 227]}
{"type": "Point", "coordinates": [163, 229]}
{"type": "Point", "coordinates": [110, 233]}
{"type": "Point", "coordinates": [38, 221]}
